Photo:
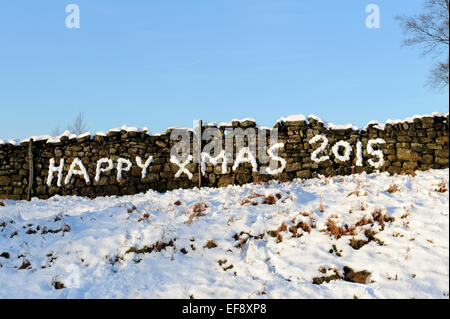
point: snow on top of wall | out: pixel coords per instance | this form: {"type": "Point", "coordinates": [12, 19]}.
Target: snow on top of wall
{"type": "Point", "coordinates": [230, 123]}
{"type": "Point", "coordinates": [57, 139]}
{"type": "Point", "coordinates": [125, 128]}
{"type": "Point", "coordinates": [84, 135]}
{"type": "Point", "coordinates": [10, 141]}
{"type": "Point", "coordinates": [247, 119]}
{"type": "Point", "coordinates": [37, 138]}
{"type": "Point", "coordinates": [172, 128]}
{"type": "Point", "coordinates": [216, 124]}
{"type": "Point", "coordinates": [331, 126]}
{"type": "Point", "coordinates": [315, 117]}
{"type": "Point", "coordinates": [290, 118]}
{"type": "Point", "coordinates": [377, 125]}
{"type": "Point", "coordinates": [264, 127]}
{"type": "Point", "coordinates": [293, 118]}
{"type": "Point", "coordinates": [374, 124]}
{"type": "Point", "coordinates": [412, 118]}
{"type": "Point", "coordinates": [130, 128]}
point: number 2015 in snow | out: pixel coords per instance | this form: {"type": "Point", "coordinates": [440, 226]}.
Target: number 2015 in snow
{"type": "Point", "coordinates": [347, 150]}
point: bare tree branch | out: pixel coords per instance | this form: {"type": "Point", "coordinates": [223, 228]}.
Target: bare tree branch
{"type": "Point", "coordinates": [439, 76]}
{"type": "Point", "coordinates": [56, 131]}
{"type": "Point", "coordinates": [79, 125]}
{"type": "Point", "coordinates": [430, 31]}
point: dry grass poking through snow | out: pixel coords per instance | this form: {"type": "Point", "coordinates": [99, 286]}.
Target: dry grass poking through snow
{"type": "Point", "coordinates": [197, 211]}
{"type": "Point", "coordinates": [338, 231]}
{"type": "Point", "coordinates": [441, 187]}
{"type": "Point", "coordinates": [392, 189]}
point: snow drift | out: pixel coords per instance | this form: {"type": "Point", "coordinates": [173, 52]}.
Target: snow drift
{"type": "Point", "coordinates": [358, 236]}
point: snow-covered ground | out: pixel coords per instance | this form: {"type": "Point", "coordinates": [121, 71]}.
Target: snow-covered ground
{"type": "Point", "coordinates": [256, 241]}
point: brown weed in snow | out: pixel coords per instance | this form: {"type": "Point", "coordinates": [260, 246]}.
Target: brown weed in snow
{"type": "Point", "coordinates": [210, 244]}
{"type": "Point", "coordinates": [198, 210]}
{"type": "Point", "coordinates": [337, 232]}
{"type": "Point", "coordinates": [393, 188]}
{"type": "Point", "coordinates": [269, 200]}
{"type": "Point", "coordinates": [441, 187]}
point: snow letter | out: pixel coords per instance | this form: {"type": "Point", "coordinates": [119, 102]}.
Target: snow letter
{"type": "Point", "coordinates": [249, 159]}
{"type": "Point", "coordinates": [359, 154]}
{"type": "Point", "coordinates": [322, 147]}
{"type": "Point", "coordinates": [378, 153]}
{"type": "Point", "coordinates": [121, 169]}
{"type": "Point", "coordinates": [100, 170]}
{"type": "Point", "coordinates": [347, 149]}
{"type": "Point", "coordinates": [373, 20]}
{"type": "Point", "coordinates": [214, 161]}
{"type": "Point", "coordinates": [182, 169]}
{"type": "Point", "coordinates": [52, 169]}
{"type": "Point", "coordinates": [144, 166]}
{"type": "Point", "coordinates": [81, 171]}
{"type": "Point", "coordinates": [276, 158]}
{"type": "Point", "coordinates": [73, 19]}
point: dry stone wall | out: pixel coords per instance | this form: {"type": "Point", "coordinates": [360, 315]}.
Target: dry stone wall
{"type": "Point", "coordinates": [420, 143]}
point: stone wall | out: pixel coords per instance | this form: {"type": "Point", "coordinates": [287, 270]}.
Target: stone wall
{"type": "Point", "coordinates": [420, 143]}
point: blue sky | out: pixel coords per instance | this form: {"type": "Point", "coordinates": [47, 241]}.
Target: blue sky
{"type": "Point", "coordinates": [164, 63]}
